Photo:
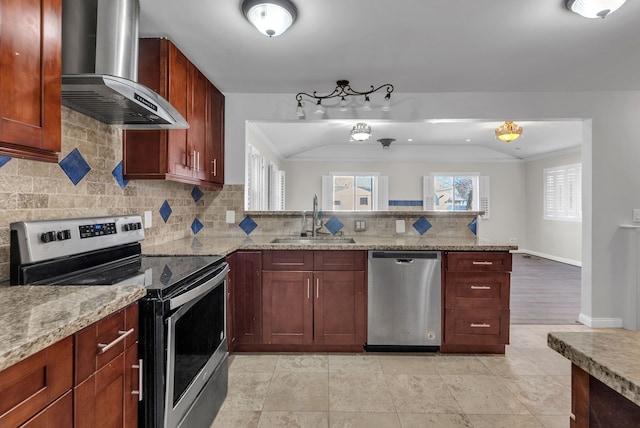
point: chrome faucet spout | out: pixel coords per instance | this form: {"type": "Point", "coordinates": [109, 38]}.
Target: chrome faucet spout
{"type": "Point", "coordinates": [315, 215]}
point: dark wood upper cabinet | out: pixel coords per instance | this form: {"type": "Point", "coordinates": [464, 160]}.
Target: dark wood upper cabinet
{"type": "Point", "coordinates": [30, 79]}
{"type": "Point", "coordinates": [194, 155]}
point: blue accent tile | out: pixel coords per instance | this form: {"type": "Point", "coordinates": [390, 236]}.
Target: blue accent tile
{"type": "Point", "coordinates": [196, 226]}
{"type": "Point", "coordinates": [166, 275]}
{"type": "Point", "coordinates": [473, 226]}
{"type": "Point", "coordinates": [75, 166]}
{"type": "Point", "coordinates": [196, 194]}
{"type": "Point", "coordinates": [422, 225]}
{"type": "Point", "coordinates": [400, 203]}
{"type": "Point", "coordinates": [117, 174]}
{"type": "Point", "coordinates": [247, 224]}
{"type": "Point", "coordinates": [3, 160]}
{"type": "Point", "coordinates": [165, 211]}
{"type": "Point", "coordinates": [334, 225]}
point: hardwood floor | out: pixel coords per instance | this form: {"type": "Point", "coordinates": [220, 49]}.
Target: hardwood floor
{"type": "Point", "coordinates": [544, 291]}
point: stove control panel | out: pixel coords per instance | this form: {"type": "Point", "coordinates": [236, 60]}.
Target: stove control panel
{"type": "Point", "coordinates": [98, 229]}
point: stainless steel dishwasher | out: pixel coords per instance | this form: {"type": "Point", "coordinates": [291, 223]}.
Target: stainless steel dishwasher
{"type": "Point", "coordinates": [404, 301]}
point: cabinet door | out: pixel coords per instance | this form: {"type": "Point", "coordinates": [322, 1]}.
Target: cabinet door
{"type": "Point", "coordinates": [339, 308]}
{"type": "Point", "coordinates": [30, 82]}
{"type": "Point", "coordinates": [58, 415]}
{"type": "Point", "coordinates": [246, 297]}
{"type": "Point", "coordinates": [131, 386]}
{"type": "Point", "coordinates": [179, 160]}
{"type": "Point", "coordinates": [197, 117]}
{"type": "Point", "coordinates": [287, 315]}
{"type": "Point", "coordinates": [215, 133]}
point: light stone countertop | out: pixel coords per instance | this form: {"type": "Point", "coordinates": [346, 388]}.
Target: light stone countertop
{"type": "Point", "coordinates": [225, 245]}
{"type": "Point", "coordinates": [612, 356]}
{"type": "Point", "coordinates": [35, 317]}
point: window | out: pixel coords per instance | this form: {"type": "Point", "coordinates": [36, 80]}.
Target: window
{"type": "Point", "coordinates": [265, 186]}
{"type": "Point", "coordinates": [456, 192]}
{"type": "Point", "coordinates": [563, 193]}
{"type": "Point", "coordinates": [355, 192]}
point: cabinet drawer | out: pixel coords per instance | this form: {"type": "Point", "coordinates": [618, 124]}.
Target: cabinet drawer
{"type": "Point", "coordinates": [287, 260]}
{"type": "Point", "coordinates": [30, 385]}
{"type": "Point", "coordinates": [477, 290]}
{"type": "Point", "coordinates": [339, 260]}
{"type": "Point", "coordinates": [102, 341]}
{"type": "Point", "coordinates": [478, 261]}
{"type": "Point", "coordinates": [477, 326]}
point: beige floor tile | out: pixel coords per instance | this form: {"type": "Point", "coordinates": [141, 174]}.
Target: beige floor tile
{"type": "Point", "coordinates": [364, 420]}
{"type": "Point", "coordinates": [309, 363]}
{"type": "Point", "coordinates": [549, 361]}
{"type": "Point", "coordinates": [236, 418]}
{"type": "Point", "coordinates": [409, 364]}
{"type": "Point", "coordinates": [247, 391]}
{"type": "Point", "coordinates": [427, 420]}
{"type": "Point", "coordinates": [421, 394]}
{"type": "Point", "coordinates": [293, 419]}
{"type": "Point", "coordinates": [554, 421]}
{"type": "Point", "coordinates": [543, 395]}
{"type": "Point", "coordinates": [360, 392]}
{"type": "Point", "coordinates": [512, 363]}
{"type": "Point", "coordinates": [522, 336]}
{"type": "Point", "coordinates": [253, 363]}
{"type": "Point", "coordinates": [298, 392]}
{"type": "Point", "coordinates": [354, 363]}
{"type": "Point", "coordinates": [481, 394]}
{"type": "Point", "coordinates": [504, 421]}
{"type": "Point", "coordinates": [459, 365]}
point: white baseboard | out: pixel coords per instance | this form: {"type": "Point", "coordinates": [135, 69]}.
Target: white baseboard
{"type": "Point", "coordinates": [600, 322]}
{"type": "Point", "coordinates": [550, 257]}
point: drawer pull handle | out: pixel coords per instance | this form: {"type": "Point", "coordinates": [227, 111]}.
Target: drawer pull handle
{"type": "Point", "coordinates": [481, 287]}
{"type": "Point", "coordinates": [483, 325]}
{"type": "Point", "coordinates": [308, 288]}
{"type": "Point", "coordinates": [483, 263]}
{"type": "Point", "coordinates": [102, 347]}
{"type": "Point", "coordinates": [138, 391]}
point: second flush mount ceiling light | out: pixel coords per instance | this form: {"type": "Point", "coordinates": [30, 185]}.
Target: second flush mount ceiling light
{"type": "Point", "coordinates": [593, 8]}
{"type": "Point", "coordinates": [270, 17]}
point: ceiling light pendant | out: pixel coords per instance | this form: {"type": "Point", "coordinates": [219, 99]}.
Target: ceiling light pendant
{"type": "Point", "coordinates": [508, 131]}
{"type": "Point", "coordinates": [361, 132]}
{"type": "Point", "coordinates": [299, 110]}
{"type": "Point", "coordinates": [270, 17]}
{"type": "Point", "coordinates": [319, 108]}
{"type": "Point", "coordinates": [343, 90]}
{"type": "Point", "coordinates": [593, 8]}
{"type": "Point", "coordinates": [386, 142]}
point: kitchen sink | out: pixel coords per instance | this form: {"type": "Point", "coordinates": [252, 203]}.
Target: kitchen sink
{"type": "Point", "coordinates": [312, 240]}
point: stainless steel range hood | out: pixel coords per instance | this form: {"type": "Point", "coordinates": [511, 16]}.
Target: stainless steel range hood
{"type": "Point", "coordinates": [100, 67]}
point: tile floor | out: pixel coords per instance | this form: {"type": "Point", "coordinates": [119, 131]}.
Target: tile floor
{"type": "Point", "coordinates": [529, 386]}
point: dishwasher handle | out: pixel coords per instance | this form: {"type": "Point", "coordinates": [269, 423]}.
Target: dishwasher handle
{"type": "Point", "coordinates": [404, 261]}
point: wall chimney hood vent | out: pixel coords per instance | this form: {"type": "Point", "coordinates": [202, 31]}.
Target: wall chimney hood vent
{"type": "Point", "coordinates": [100, 67]}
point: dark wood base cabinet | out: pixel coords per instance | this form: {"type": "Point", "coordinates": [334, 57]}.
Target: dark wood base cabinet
{"type": "Point", "coordinates": [476, 290]}
{"type": "Point", "coordinates": [309, 301]}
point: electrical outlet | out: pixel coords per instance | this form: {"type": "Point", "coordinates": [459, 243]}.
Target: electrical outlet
{"type": "Point", "coordinates": [360, 226]}
{"type": "Point", "coordinates": [400, 227]}
{"type": "Point", "coordinates": [636, 215]}
{"type": "Point", "coordinates": [147, 219]}
{"type": "Point", "coordinates": [231, 216]}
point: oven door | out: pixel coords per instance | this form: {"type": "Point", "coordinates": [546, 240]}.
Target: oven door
{"type": "Point", "coordinates": [196, 343]}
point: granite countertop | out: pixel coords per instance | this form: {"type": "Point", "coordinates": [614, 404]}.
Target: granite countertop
{"type": "Point", "coordinates": [34, 317]}
{"type": "Point", "coordinates": [225, 245]}
{"type": "Point", "coordinates": [612, 356]}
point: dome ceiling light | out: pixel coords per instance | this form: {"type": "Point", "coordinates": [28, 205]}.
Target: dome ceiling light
{"type": "Point", "coordinates": [270, 17]}
{"type": "Point", "coordinates": [343, 90]}
{"type": "Point", "coordinates": [593, 8]}
{"type": "Point", "coordinates": [508, 131]}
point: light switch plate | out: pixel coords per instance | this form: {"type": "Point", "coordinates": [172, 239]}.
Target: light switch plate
{"type": "Point", "coordinates": [231, 216]}
{"type": "Point", "coordinates": [400, 226]}
{"type": "Point", "coordinates": [636, 215]}
{"type": "Point", "coordinates": [147, 219]}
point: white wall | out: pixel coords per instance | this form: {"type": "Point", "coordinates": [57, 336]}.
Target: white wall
{"type": "Point", "coordinates": [610, 154]}
{"type": "Point", "coordinates": [558, 240]}
{"type": "Point", "coordinates": [508, 207]}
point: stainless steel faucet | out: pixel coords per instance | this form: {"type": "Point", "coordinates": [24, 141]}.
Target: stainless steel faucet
{"type": "Point", "coordinates": [315, 215]}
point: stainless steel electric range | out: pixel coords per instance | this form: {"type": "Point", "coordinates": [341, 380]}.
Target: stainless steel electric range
{"type": "Point", "coordinates": [182, 345]}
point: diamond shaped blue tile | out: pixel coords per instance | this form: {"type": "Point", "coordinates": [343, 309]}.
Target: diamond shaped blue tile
{"type": "Point", "coordinates": [473, 226]}
{"type": "Point", "coordinates": [422, 225]}
{"type": "Point", "coordinates": [165, 211]}
{"type": "Point", "coordinates": [196, 194]}
{"type": "Point", "coordinates": [75, 166]}
{"type": "Point", "coordinates": [3, 160]}
{"type": "Point", "coordinates": [166, 275]}
{"type": "Point", "coordinates": [117, 174]}
{"type": "Point", "coordinates": [247, 224]}
{"type": "Point", "coordinates": [196, 226]}
{"type": "Point", "coordinates": [334, 225]}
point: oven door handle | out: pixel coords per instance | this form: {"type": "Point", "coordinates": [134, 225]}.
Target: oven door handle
{"type": "Point", "coordinates": [200, 290]}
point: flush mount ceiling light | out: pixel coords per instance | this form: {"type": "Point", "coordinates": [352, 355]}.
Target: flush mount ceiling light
{"type": "Point", "coordinates": [361, 132]}
{"type": "Point", "coordinates": [593, 8]}
{"type": "Point", "coordinates": [270, 17]}
{"type": "Point", "coordinates": [508, 131]}
{"type": "Point", "coordinates": [344, 91]}
{"type": "Point", "coordinates": [386, 142]}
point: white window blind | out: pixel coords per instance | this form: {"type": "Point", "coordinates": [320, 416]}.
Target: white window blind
{"type": "Point", "coordinates": [563, 192]}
